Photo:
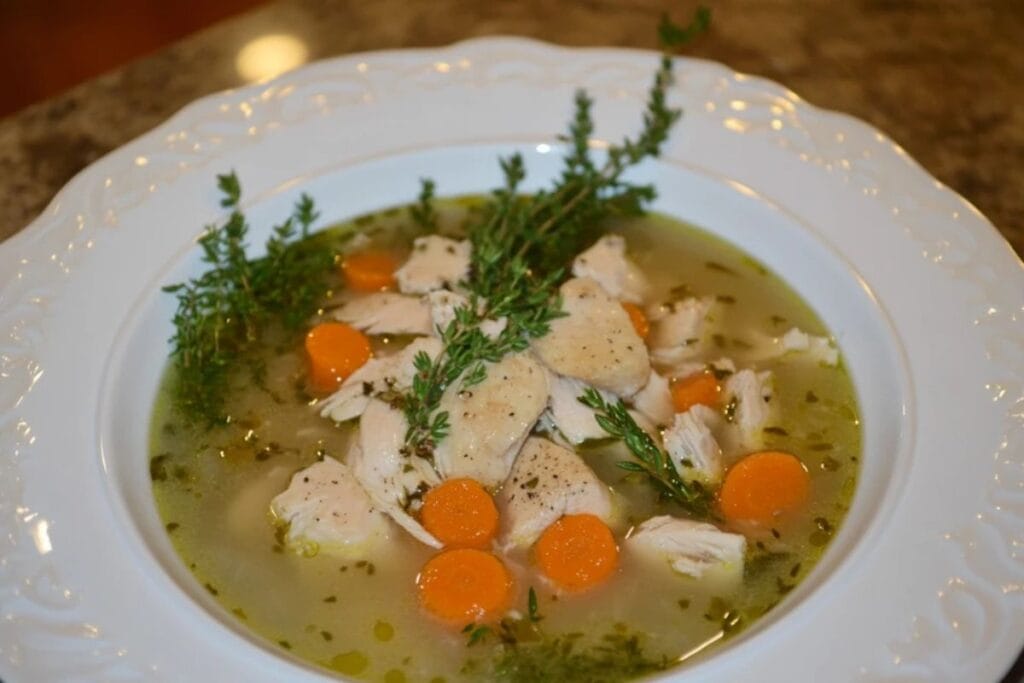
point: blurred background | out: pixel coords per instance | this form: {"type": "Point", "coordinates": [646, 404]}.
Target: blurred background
{"type": "Point", "coordinates": [942, 77]}
{"type": "Point", "coordinates": [53, 45]}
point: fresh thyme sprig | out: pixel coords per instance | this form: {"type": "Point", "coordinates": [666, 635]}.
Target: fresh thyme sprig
{"type": "Point", "coordinates": [615, 419]}
{"type": "Point", "coordinates": [520, 252]}
{"type": "Point", "coordinates": [523, 246]}
{"type": "Point", "coordinates": [672, 35]}
{"type": "Point", "coordinates": [423, 212]}
{"type": "Point", "coordinates": [222, 312]}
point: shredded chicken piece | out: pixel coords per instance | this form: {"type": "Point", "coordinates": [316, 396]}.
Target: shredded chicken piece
{"type": "Point", "coordinates": [752, 393]}
{"type": "Point", "coordinates": [386, 313]}
{"type": "Point", "coordinates": [595, 341]}
{"type": "Point", "coordinates": [436, 263]}
{"type": "Point", "coordinates": [378, 375]}
{"type": "Point", "coordinates": [442, 308]}
{"type": "Point", "coordinates": [442, 311]}
{"type": "Point", "coordinates": [387, 474]}
{"type": "Point", "coordinates": [325, 508]}
{"type": "Point", "coordinates": [546, 482]}
{"type": "Point", "coordinates": [678, 329]}
{"type": "Point", "coordinates": [692, 446]}
{"type": "Point", "coordinates": [654, 401]}
{"type": "Point", "coordinates": [606, 263]}
{"type": "Point", "coordinates": [571, 418]}
{"type": "Point", "coordinates": [489, 421]}
{"type": "Point", "coordinates": [819, 349]}
{"type": "Point", "coordinates": [691, 548]}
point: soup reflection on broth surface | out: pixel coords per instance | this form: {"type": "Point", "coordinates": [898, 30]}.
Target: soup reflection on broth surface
{"type": "Point", "coordinates": [563, 557]}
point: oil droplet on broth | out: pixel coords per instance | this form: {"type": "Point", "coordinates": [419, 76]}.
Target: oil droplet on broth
{"type": "Point", "coordinates": [383, 631]}
{"type": "Point", "coordinates": [351, 663]}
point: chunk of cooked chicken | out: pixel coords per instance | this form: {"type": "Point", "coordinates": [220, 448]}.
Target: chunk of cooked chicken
{"type": "Point", "coordinates": [654, 401]}
{"type": "Point", "coordinates": [326, 509]}
{"type": "Point", "coordinates": [571, 418]}
{"type": "Point", "coordinates": [546, 482]}
{"type": "Point", "coordinates": [442, 310]}
{"type": "Point", "coordinates": [489, 421]}
{"type": "Point", "coordinates": [691, 548]}
{"type": "Point", "coordinates": [387, 313]}
{"type": "Point", "coordinates": [752, 393]}
{"type": "Point", "coordinates": [388, 475]}
{"type": "Point", "coordinates": [606, 263]}
{"type": "Point", "coordinates": [678, 329]}
{"type": "Point", "coordinates": [722, 366]}
{"type": "Point", "coordinates": [819, 349]}
{"type": "Point", "coordinates": [692, 446]}
{"type": "Point", "coordinates": [595, 341]}
{"type": "Point", "coordinates": [435, 263]}
{"type": "Point", "coordinates": [376, 376]}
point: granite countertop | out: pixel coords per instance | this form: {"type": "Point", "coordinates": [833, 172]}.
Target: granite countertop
{"type": "Point", "coordinates": [942, 78]}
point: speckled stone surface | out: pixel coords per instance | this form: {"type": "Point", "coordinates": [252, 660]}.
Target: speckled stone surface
{"type": "Point", "coordinates": [942, 78]}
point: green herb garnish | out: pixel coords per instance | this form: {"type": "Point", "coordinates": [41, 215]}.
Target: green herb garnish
{"type": "Point", "coordinates": [521, 248]}
{"type": "Point", "coordinates": [466, 349]}
{"type": "Point", "coordinates": [423, 212]}
{"type": "Point", "coordinates": [223, 312]}
{"type": "Point", "coordinates": [672, 35]}
{"type": "Point", "coordinates": [533, 608]}
{"type": "Point", "coordinates": [476, 633]}
{"type": "Point", "coordinates": [562, 659]}
{"type": "Point", "coordinates": [615, 419]}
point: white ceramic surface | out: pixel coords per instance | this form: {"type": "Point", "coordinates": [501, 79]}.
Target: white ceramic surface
{"type": "Point", "coordinates": [925, 581]}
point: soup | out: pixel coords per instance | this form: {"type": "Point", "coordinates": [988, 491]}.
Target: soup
{"type": "Point", "coordinates": [513, 437]}
{"type": "Point", "coordinates": [357, 611]}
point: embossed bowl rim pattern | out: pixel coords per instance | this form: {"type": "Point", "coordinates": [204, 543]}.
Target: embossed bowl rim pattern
{"type": "Point", "coordinates": [925, 582]}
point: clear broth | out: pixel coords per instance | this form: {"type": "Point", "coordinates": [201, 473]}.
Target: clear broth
{"type": "Point", "coordinates": [360, 616]}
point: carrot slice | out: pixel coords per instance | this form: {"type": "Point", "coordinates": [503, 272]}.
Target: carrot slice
{"type": "Point", "coordinates": [464, 585]}
{"type": "Point", "coordinates": [577, 552]}
{"type": "Point", "coordinates": [639, 320]}
{"type": "Point", "coordinates": [701, 388]}
{"type": "Point", "coordinates": [334, 351]}
{"type": "Point", "coordinates": [762, 486]}
{"type": "Point", "coordinates": [460, 513]}
{"type": "Point", "coordinates": [370, 271]}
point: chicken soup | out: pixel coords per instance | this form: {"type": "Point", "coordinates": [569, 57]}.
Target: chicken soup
{"type": "Point", "coordinates": [512, 437]}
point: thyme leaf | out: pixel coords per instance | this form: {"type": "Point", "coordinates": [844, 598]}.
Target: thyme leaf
{"type": "Point", "coordinates": [532, 607]}
{"type": "Point", "coordinates": [476, 633]}
{"type": "Point", "coordinates": [650, 459]}
{"type": "Point", "coordinates": [672, 35]}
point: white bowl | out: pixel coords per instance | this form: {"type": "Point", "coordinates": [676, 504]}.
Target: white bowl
{"type": "Point", "coordinates": [923, 581]}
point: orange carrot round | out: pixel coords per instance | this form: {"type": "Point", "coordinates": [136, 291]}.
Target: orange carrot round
{"type": "Point", "coordinates": [370, 271]}
{"type": "Point", "coordinates": [460, 513]}
{"type": "Point", "coordinates": [762, 486]}
{"type": "Point", "coordinates": [701, 388]}
{"type": "Point", "coordinates": [639, 320]}
{"type": "Point", "coordinates": [334, 351]}
{"type": "Point", "coordinates": [577, 552]}
{"type": "Point", "coordinates": [464, 585]}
